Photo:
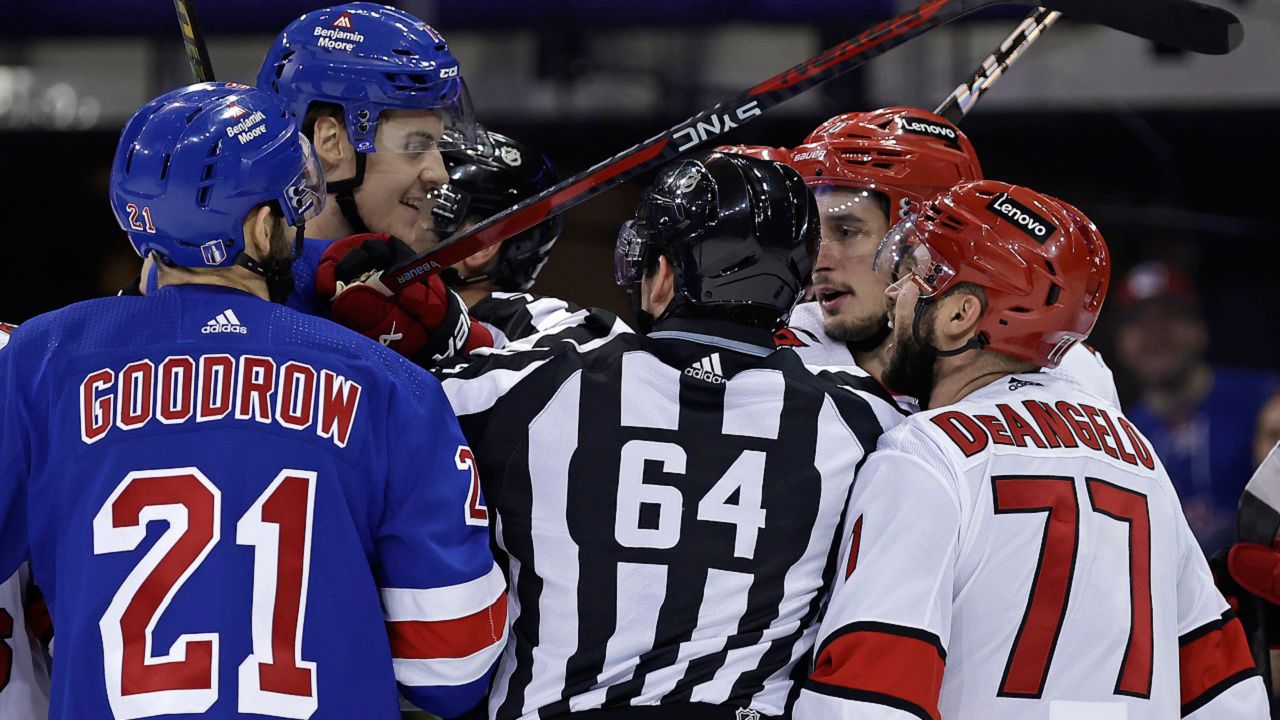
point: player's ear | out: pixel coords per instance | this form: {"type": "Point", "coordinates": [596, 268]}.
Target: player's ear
{"type": "Point", "coordinates": [257, 232]}
{"type": "Point", "coordinates": [329, 138]}
{"type": "Point", "coordinates": [958, 317]}
{"type": "Point", "coordinates": [661, 285]}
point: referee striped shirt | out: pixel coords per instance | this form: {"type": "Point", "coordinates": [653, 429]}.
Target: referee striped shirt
{"type": "Point", "coordinates": [670, 507]}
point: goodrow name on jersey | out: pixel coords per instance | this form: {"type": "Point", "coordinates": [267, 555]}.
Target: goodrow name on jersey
{"type": "Point", "coordinates": [210, 387]}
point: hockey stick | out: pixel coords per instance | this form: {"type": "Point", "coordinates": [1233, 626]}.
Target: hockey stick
{"type": "Point", "coordinates": [193, 39]}
{"type": "Point", "coordinates": [962, 99]}
{"type": "Point", "coordinates": [1180, 23]}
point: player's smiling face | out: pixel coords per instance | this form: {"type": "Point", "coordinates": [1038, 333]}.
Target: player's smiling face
{"type": "Point", "coordinates": [403, 173]}
{"type": "Point", "coordinates": [850, 294]}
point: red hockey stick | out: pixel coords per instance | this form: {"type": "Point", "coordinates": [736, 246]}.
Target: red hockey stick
{"type": "Point", "coordinates": [1185, 24]}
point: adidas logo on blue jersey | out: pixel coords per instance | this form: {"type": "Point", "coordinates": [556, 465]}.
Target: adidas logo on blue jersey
{"type": "Point", "coordinates": [708, 368]}
{"type": "Point", "coordinates": [225, 322]}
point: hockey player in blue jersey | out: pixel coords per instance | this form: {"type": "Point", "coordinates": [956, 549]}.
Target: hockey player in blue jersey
{"type": "Point", "coordinates": [235, 509]}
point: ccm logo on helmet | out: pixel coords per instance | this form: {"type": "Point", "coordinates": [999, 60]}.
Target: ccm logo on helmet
{"type": "Point", "coordinates": [1022, 217]}
{"type": "Point", "coordinates": [920, 126]}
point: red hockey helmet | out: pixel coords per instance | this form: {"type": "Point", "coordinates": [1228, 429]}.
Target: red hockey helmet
{"type": "Point", "coordinates": [1043, 264]}
{"type": "Point", "coordinates": [907, 154]}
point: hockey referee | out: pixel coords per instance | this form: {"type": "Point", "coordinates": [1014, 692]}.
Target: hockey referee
{"type": "Point", "coordinates": [670, 503]}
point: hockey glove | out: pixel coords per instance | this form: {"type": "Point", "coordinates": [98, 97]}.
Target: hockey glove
{"type": "Point", "coordinates": [427, 322]}
{"type": "Point", "coordinates": [1257, 569]}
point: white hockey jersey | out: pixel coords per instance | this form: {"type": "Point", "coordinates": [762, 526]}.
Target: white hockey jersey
{"type": "Point", "coordinates": [805, 335]}
{"type": "Point", "coordinates": [1021, 555]}
{"type": "Point", "coordinates": [24, 669]}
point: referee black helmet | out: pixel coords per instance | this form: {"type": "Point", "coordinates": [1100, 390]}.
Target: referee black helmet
{"type": "Point", "coordinates": [739, 232]}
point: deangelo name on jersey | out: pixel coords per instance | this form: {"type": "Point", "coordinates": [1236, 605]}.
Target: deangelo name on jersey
{"type": "Point", "coordinates": [210, 388]}
{"type": "Point", "coordinates": [1061, 425]}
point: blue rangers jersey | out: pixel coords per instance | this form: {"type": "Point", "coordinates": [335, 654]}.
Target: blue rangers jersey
{"type": "Point", "coordinates": [234, 509]}
{"type": "Point", "coordinates": [304, 297]}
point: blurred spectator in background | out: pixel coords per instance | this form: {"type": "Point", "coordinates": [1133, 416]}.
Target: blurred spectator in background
{"type": "Point", "coordinates": [1267, 432]}
{"type": "Point", "coordinates": [1199, 418]}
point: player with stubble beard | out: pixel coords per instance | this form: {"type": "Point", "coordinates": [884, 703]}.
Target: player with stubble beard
{"type": "Point", "coordinates": [869, 171]}
{"type": "Point", "coordinates": [1018, 550]}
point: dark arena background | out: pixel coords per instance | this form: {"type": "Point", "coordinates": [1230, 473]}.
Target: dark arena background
{"type": "Point", "coordinates": [1175, 156]}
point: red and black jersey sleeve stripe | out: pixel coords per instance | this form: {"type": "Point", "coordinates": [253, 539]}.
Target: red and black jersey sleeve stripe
{"type": "Point", "coordinates": [892, 665]}
{"type": "Point", "coordinates": [1212, 659]}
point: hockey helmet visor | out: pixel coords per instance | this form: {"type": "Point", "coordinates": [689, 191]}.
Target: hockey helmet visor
{"type": "Point", "coordinates": [904, 254]}
{"type": "Point", "coordinates": [304, 198]}
{"type": "Point", "coordinates": [628, 255]}
{"type": "Point", "coordinates": [415, 131]}
{"type": "Point", "coordinates": [656, 217]}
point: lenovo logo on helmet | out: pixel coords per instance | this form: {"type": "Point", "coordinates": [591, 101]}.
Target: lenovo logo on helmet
{"type": "Point", "coordinates": [920, 126]}
{"type": "Point", "coordinates": [1022, 217]}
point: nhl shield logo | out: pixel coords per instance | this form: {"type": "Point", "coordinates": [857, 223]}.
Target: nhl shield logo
{"type": "Point", "coordinates": [214, 252]}
{"type": "Point", "coordinates": [746, 714]}
{"type": "Point", "coordinates": [510, 156]}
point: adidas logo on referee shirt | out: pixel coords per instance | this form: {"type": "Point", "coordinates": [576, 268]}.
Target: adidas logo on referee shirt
{"type": "Point", "coordinates": [708, 368]}
{"type": "Point", "coordinates": [225, 322]}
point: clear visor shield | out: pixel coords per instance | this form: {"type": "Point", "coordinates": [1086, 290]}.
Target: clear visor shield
{"type": "Point", "coordinates": [628, 255]}
{"type": "Point", "coordinates": [449, 126]}
{"type": "Point", "coordinates": [305, 196]}
{"type": "Point", "coordinates": [901, 255]}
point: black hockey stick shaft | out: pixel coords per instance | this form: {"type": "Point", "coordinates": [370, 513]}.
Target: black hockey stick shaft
{"type": "Point", "coordinates": [193, 39]}
{"type": "Point", "coordinates": [965, 96]}
{"type": "Point", "coordinates": [1180, 23]}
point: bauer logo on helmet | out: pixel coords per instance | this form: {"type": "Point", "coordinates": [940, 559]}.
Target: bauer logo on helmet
{"type": "Point", "coordinates": [810, 155]}
{"type": "Point", "coordinates": [1024, 218]}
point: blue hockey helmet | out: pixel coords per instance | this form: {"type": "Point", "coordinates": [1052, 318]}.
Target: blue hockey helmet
{"type": "Point", "coordinates": [367, 58]}
{"type": "Point", "coordinates": [192, 163]}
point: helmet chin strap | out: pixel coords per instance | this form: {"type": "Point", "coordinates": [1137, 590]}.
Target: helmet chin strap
{"type": "Point", "coordinates": [278, 272]}
{"type": "Point", "coordinates": [343, 192]}
{"type": "Point", "coordinates": [453, 278]}
{"type": "Point", "coordinates": [977, 342]}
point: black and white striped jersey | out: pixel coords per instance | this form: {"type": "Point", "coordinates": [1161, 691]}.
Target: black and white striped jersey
{"type": "Point", "coordinates": [670, 506]}
{"type": "Point", "coordinates": [515, 316]}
